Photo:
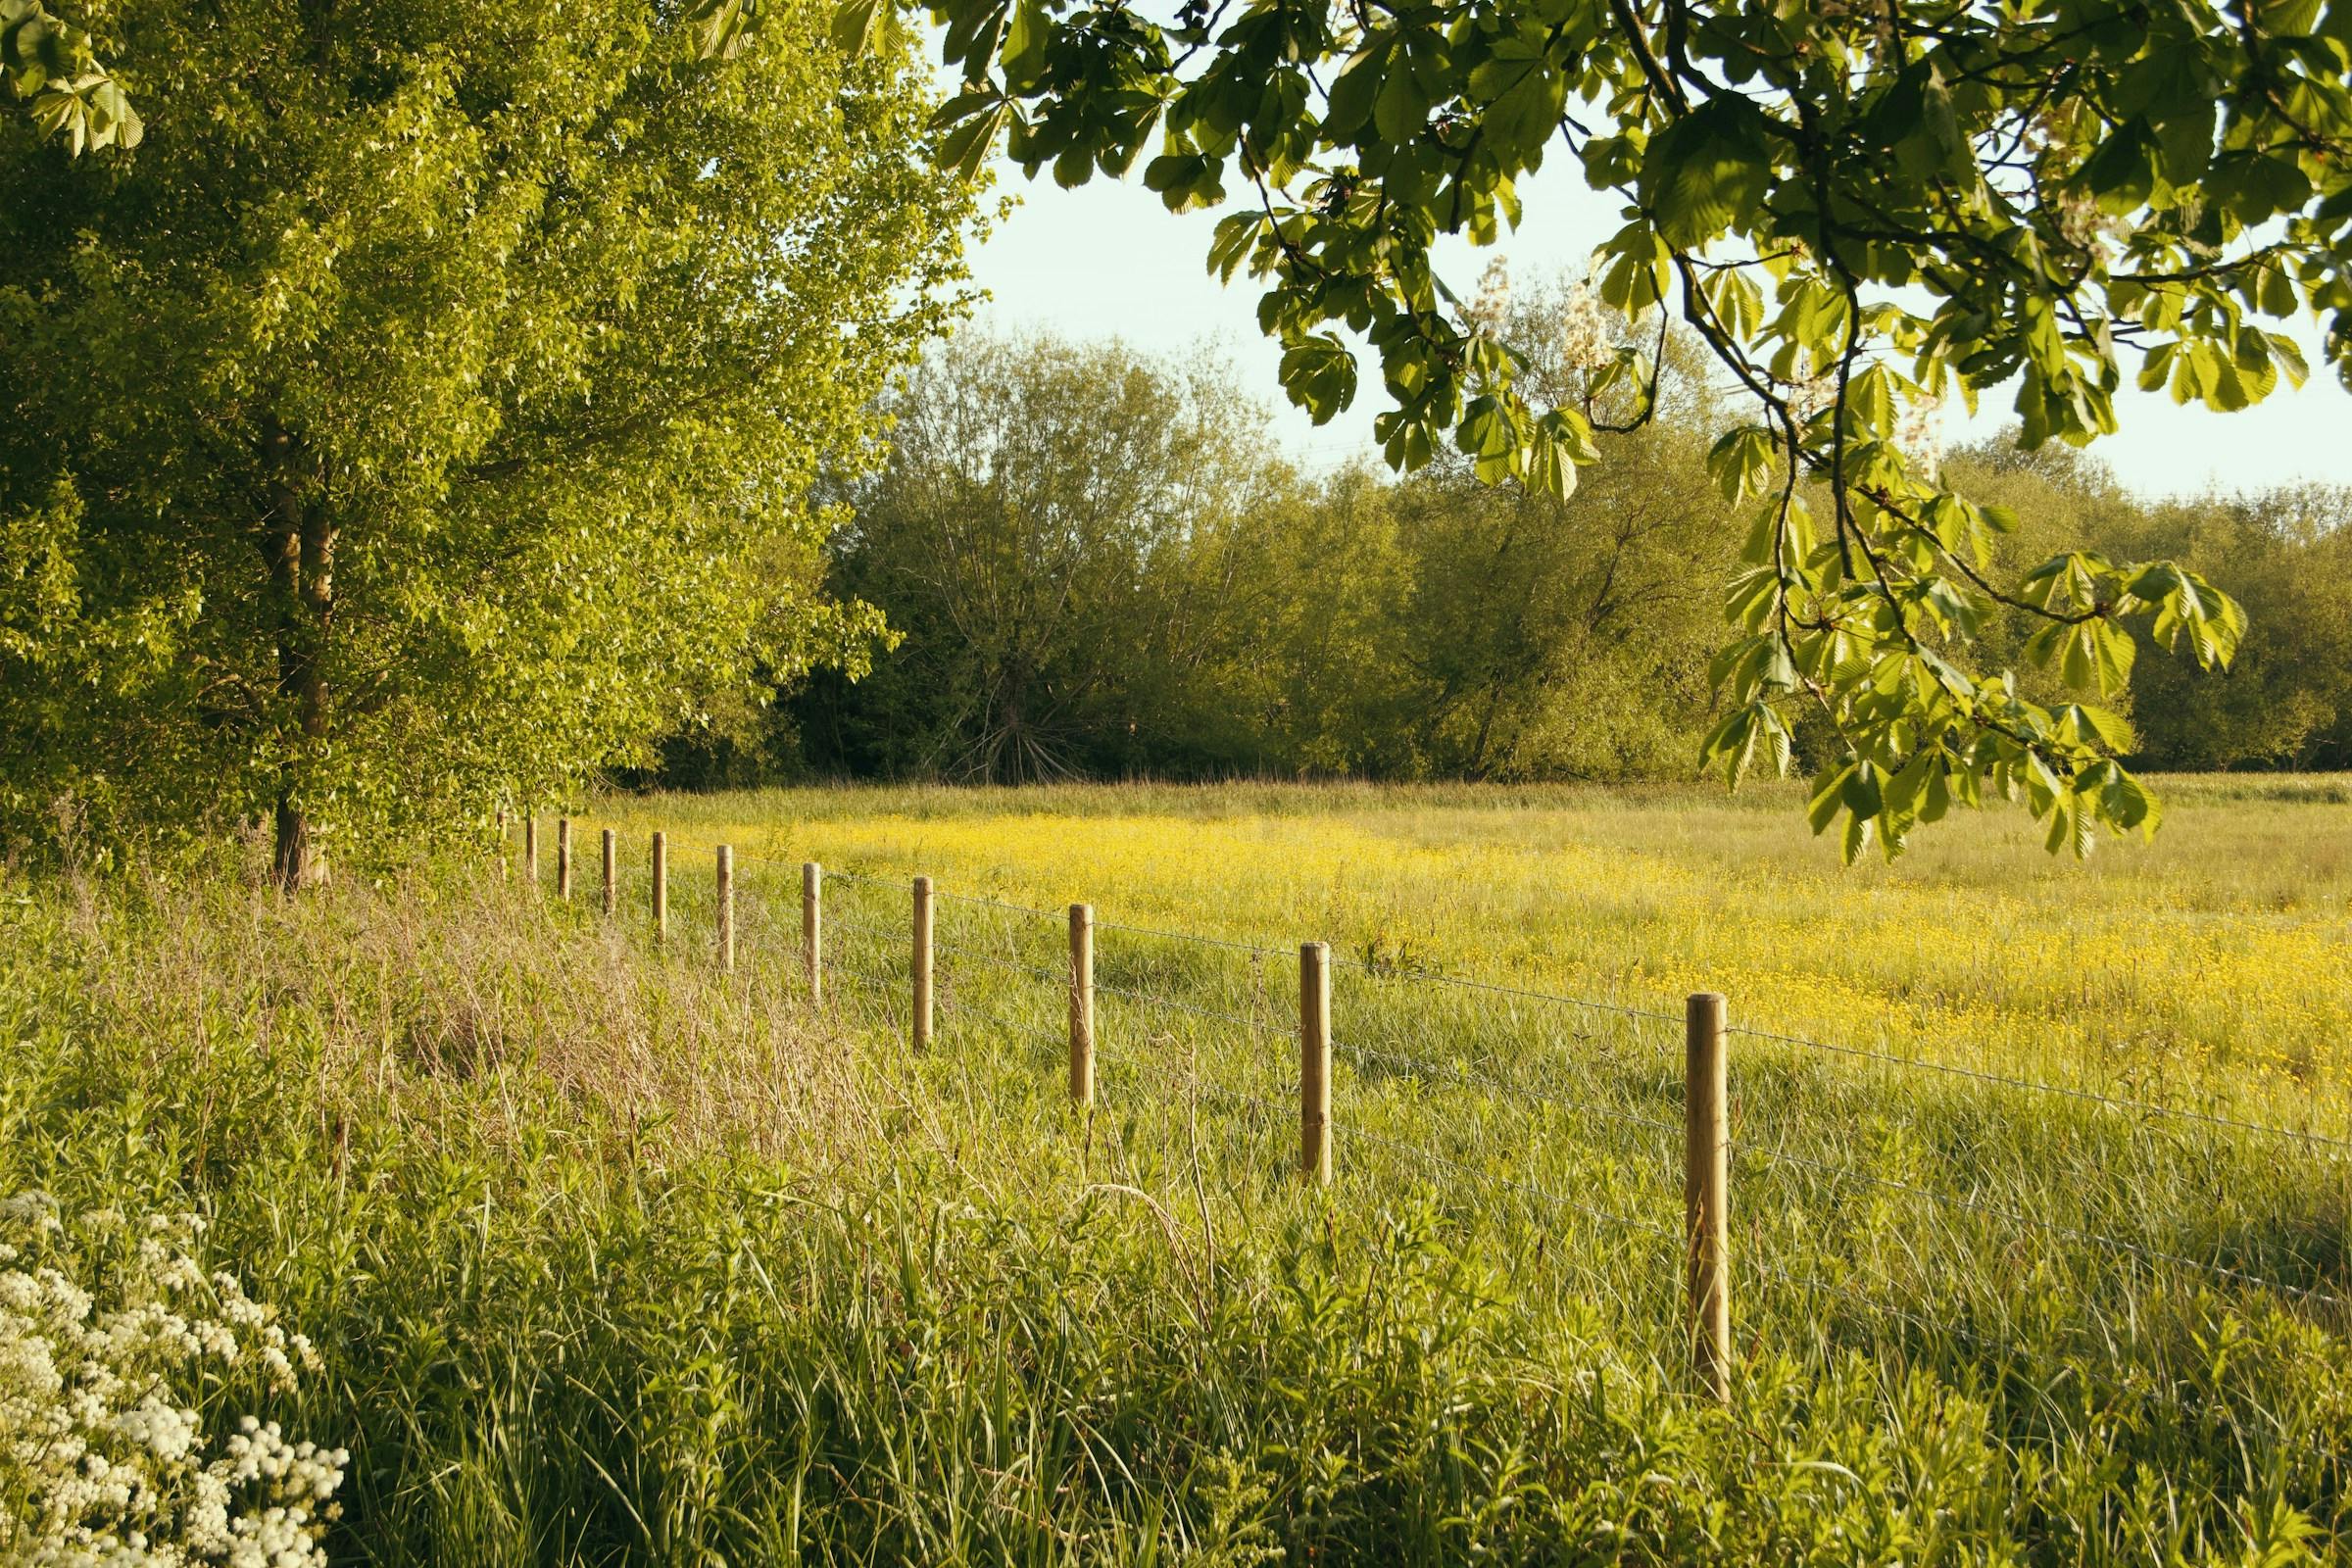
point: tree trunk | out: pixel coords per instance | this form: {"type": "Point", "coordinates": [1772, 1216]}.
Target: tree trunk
{"type": "Point", "coordinates": [301, 546]}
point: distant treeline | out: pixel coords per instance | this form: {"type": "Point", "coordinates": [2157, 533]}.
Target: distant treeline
{"type": "Point", "coordinates": [1094, 566]}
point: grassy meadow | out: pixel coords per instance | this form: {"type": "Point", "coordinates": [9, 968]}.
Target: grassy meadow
{"type": "Point", "coordinates": [2202, 968]}
{"type": "Point", "coordinates": [610, 1256]}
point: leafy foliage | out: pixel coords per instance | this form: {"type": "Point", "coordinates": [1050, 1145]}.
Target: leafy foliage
{"type": "Point", "coordinates": [1094, 573]}
{"type": "Point", "coordinates": [2286, 552]}
{"type": "Point", "coordinates": [1073, 542]}
{"type": "Point", "coordinates": [425, 413]}
{"type": "Point", "coordinates": [1860, 209]}
{"type": "Point", "coordinates": [54, 70]}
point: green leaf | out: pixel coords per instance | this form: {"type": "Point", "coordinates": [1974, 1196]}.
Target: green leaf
{"type": "Point", "coordinates": [1523, 96]}
{"type": "Point", "coordinates": [2121, 175]}
{"type": "Point", "coordinates": [862, 27]}
{"type": "Point", "coordinates": [2131, 804]}
{"type": "Point", "coordinates": [1861, 793]}
{"type": "Point", "coordinates": [1352, 92]}
{"type": "Point", "coordinates": [1740, 461]}
{"type": "Point", "coordinates": [1706, 170]}
{"type": "Point", "coordinates": [966, 149]}
{"type": "Point", "coordinates": [1023, 58]}
{"type": "Point", "coordinates": [1826, 801]}
{"type": "Point", "coordinates": [1320, 374]}
{"type": "Point", "coordinates": [1859, 831]}
{"type": "Point", "coordinates": [720, 26]}
{"type": "Point", "coordinates": [1399, 108]}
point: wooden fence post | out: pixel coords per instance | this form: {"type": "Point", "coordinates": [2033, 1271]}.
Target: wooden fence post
{"type": "Point", "coordinates": [661, 888]}
{"type": "Point", "coordinates": [1082, 1003]}
{"type": "Point", "coordinates": [812, 933]}
{"type": "Point", "coordinates": [920, 1026]}
{"type": "Point", "coordinates": [531, 847]}
{"type": "Point", "coordinates": [726, 908]}
{"type": "Point", "coordinates": [563, 858]}
{"type": "Point", "coordinates": [1706, 1140]}
{"type": "Point", "coordinates": [611, 875]}
{"type": "Point", "coordinates": [1314, 1062]}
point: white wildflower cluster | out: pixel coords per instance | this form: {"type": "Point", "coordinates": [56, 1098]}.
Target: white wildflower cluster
{"type": "Point", "coordinates": [1919, 434]}
{"type": "Point", "coordinates": [1808, 395]}
{"type": "Point", "coordinates": [1587, 330]}
{"type": "Point", "coordinates": [1491, 305]}
{"type": "Point", "coordinates": [1919, 420]}
{"type": "Point", "coordinates": [2083, 223]}
{"type": "Point", "coordinates": [104, 1458]}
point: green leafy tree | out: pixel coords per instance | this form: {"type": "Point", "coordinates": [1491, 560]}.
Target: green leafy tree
{"type": "Point", "coordinates": [2285, 552]}
{"type": "Point", "coordinates": [1093, 570]}
{"type": "Point", "coordinates": [1066, 537]}
{"type": "Point", "coordinates": [425, 413]}
{"type": "Point", "coordinates": [1860, 206]}
{"type": "Point", "coordinates": [1567, 636]}
{"type": "Point", "coordinates": [2287, 701]}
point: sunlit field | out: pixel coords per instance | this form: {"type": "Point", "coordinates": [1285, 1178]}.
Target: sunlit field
{"type": "Point", "coordinates": [2207, 969]}
{"type": "Point", "coordinates": [2040, 1196]}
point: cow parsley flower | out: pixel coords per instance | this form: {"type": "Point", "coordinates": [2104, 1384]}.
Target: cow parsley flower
{"type": "Point", "coordinates": [104, 1460]}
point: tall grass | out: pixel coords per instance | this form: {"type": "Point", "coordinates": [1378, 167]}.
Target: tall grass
{"type": "Point", "coordinates": [614, 1258]}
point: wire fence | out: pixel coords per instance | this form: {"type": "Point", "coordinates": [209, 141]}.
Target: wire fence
{"type": "Point", "coordinates": [1577, 1119]}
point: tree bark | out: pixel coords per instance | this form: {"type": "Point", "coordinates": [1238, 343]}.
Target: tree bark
{"type": "Point", "coordinates": [300, 542]}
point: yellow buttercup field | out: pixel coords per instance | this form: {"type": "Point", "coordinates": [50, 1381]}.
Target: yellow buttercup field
{"type": "Point", "coordinates": [2207, 969]}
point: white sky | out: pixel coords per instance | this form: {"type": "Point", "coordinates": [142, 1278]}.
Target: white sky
{"type": "Point", "coordinates": [1106, 260]}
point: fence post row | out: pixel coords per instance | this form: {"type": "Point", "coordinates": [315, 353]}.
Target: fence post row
{"type": "Point", "coordinates": [1706, 1126]}
{"type": "Point", "coordinates": [1082, 1003]}
{"type": "Point", "coordinates": [1314, 1063]}
{"type": "Point", "coordinates": [812, 883]}
{"type": "Point", "coordinates": [919, 1027]}
{"type": "Point", "coordinates": [660, 874]}
{"type": "Point", "coordinates": [1706, 1140]}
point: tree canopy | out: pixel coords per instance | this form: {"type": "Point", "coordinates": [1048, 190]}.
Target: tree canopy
{"type": "Point", "coordinates": [1093, 567]}
{"type": "Point", "coordinates": [1860, 206]}
{"type": "Point", "coordinates": [427, 411]}
{"type": "Point", "coordinates": [1068, 537]}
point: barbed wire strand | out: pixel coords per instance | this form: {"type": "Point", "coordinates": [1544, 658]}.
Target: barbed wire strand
{"type": "Point", "coordinates": [1512, 1091]}
{"type": "Point", "coordinates": [1191, 1085]}
{"type": "Point", "coordinates": [980, 901]}
{"type": "Point", "coordinates": [1224, 942]}
{"type": "Point", "coordinates": [2007, 1081]}
{"type": "Point", "coordinates": [1218, 1016]}
{"type": "Point", "coordinates": [2149, 1254]}
{"type": "Point", "coordinates": [1491, 1179]}
{"type": "Point", "coordinates": [963, 955]}
{"type": "Point", "coordinates": [1775, 1274]}
{"type": "Point", "coordinates": [1434, 978]}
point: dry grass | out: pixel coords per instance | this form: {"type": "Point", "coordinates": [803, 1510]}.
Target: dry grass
{"type": "Point", "coordinates": [420, 998]}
